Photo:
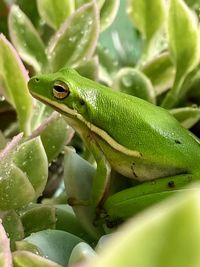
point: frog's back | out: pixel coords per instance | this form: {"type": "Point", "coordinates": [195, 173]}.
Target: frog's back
{"type": "Point", "coordinates": [133, 122]}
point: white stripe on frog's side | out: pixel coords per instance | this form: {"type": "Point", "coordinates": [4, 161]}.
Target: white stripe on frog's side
{"type": "Point", "coordinates": [63, 108]}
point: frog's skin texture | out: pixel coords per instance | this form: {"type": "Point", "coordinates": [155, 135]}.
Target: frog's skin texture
{"type": "Point", "coordinates": [133, 137]}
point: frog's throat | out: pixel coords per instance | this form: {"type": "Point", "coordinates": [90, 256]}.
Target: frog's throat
{"type": "Point", "coordinates": [73, 113]}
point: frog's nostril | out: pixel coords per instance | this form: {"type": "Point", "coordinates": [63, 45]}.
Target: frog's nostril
{"type": "Point", "coordinates": [37, 80]}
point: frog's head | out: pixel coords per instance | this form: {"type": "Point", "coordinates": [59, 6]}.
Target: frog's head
{"type": "Point", "coordinates": [66, 91]}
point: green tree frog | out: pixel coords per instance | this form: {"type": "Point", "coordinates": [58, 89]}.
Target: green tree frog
{"type": "Point", "coordinates": [129, 135]}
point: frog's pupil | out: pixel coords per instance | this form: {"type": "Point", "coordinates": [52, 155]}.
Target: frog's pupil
{"type": "Point", "coordinates": [59, 89]}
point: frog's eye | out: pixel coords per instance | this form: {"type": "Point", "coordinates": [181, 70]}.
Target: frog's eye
{"type": "Point", "coordinates": [60, 90]}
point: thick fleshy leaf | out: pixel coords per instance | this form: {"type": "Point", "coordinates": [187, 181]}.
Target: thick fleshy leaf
{"type": "Point", "coordinates": [24, 245]}
{"type": "Point", "coordinates": [29, 155]}
{"type": "Point", "coordinates": [78, 174]}
{"type": "Point", "coordinates": [79, 3]}
{"type": "Point", "coordinates": [107, 65]}
{"type": "Point", "coordinates": [52, 128]}
{"type": "Point", "coordinates": [26, 39]}
{"type": "Point", "coordinates": [184, 39]}
{"type": "Point", "coordinates": [55, 136]}
{"type": "Point", "coordinates": [161, 72]}
{"type": "Point", "coordinates": [20, 180]}
{"type": "Point", "coordinates": [41, 111]}
{"type": "Point", "coordinates": [80, 253]}
{"type": "Point", "coordinates": [13, 226]}
{"type": "Point", "coordinates": [15, 188]}
{"type": "Point", "coordinates": [5, 253]}
{"type": "Point", "coordinates": [30, 9]}
{"type": "Point", "coordinates": [187, 116]}
{"type": "Point", "coordinates": [133, 82]}
{"type": "Point", "coordinates": [38, 218]}
{"type": "Point", "coordinates": [54, 13]}
{"type": "Point", "coordinates": [26, 258]}
{"type": "Point", "coordinates": [108, 10]}
{"type": "Point", "coordinates": [167, 235]}
{"type": "Point", "coordinates": [106, 59]}
{"type": "Point", "coordinates": [68, 222]}
{"type": "Point", "coordinates": [90, 69]}
{"type": "Point", "coordinates": [108, 13]}
{"type": "Point", "coordinates": [14, 78]}
{"type": "Point", "coordinates": [55, 245]}
{"type": "Point", "coordinates": [148, 17]}
{"type": "Point", "coordinates": [76, 40]}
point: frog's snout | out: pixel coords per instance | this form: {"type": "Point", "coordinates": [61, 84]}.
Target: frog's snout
{"type": "Point", "coordinates": [33, 83]}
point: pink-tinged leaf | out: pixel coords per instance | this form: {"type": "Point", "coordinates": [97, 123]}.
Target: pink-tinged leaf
{"type": "Point", "coordinates": [10, 146]}
{"type": "Point", "coordinates": [20, 181]}
{"type": "Point", "coordinates": [5, 253]}
{"type": "Point", "coordinates": [26, 39]}
{"type": "Point", "coordinates": [13, 226]}
{"type": "Point", "coordinates": [75, 42]}
{"type": "Point", "coordinates": [14, 78]}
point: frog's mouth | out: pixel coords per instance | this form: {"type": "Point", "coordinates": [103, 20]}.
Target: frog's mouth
{"type": "Point", "coordinates": [61, 108]}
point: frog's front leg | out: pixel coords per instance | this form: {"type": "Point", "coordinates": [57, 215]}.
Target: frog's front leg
{"type": "Point", "coordinates": [128, 202]}
{"type": "Point", "coordinates": [101, 180]}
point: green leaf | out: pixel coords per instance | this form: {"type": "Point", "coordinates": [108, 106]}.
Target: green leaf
{"type": "Point", "coordinates": [20, 181]}
{"type": "Point", "coordinates": [15, 189]}
{"type": "Point", "coordinates": [14, 78]}
{"type": "Point", "coordinates": [160, 71]}
{"type": "Point", "coordinates": [184, 46]}
{"type": "Point", "coordinates": [166, 235]}
{"type": "Point", "coordinates": [26, 258]}
{"type": "Point", "coordinates": [68, 222]}
{"type": "Point", "coordinates": [24, 245]}
{"type": "Point", "coordinates": [132, 81]}
{"type": "Point", "coordinates": [108, 13]}
{"type": "Point", "coordinates": [106, 61]}
{"type": "Point", "coordinates": [29, 155]}
{"type": "Point", "coordinates": [52, 128]}
{"type": "Point", "coordinates": [78, 175]}
{"type": "Point", "coordinates": [30, 9]}
{"type": "Point", "coordinates": [76, 40]}
{"type": "Point", "coordinates": [148, 17]}
{"type": "Point", "coordinates": [55, 245]}
{"type": "Point", "coordinates": [187, 116]}
{"type": "Point", "coordinates": [5, 253]}
{"type": "Point", "coordinates": [39, 217]}
{"type": "Point", "coordinates": [26, 39]}
{"type": "Point", "coordinates": [54, 13]}
{"type": "Point", "coordinates": [55, 136]}
{"type": "Point", "coordinates": [81, 253]}
{"type": "Point", "coordinates": [79, 3]}
{"type": "Point", "coordinates": [89, 69]}
{"type": "Point", "coordinates": [13, 226]}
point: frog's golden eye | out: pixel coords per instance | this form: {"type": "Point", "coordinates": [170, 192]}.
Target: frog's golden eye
{"type": "Point", "coordinates": [60, 90]}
